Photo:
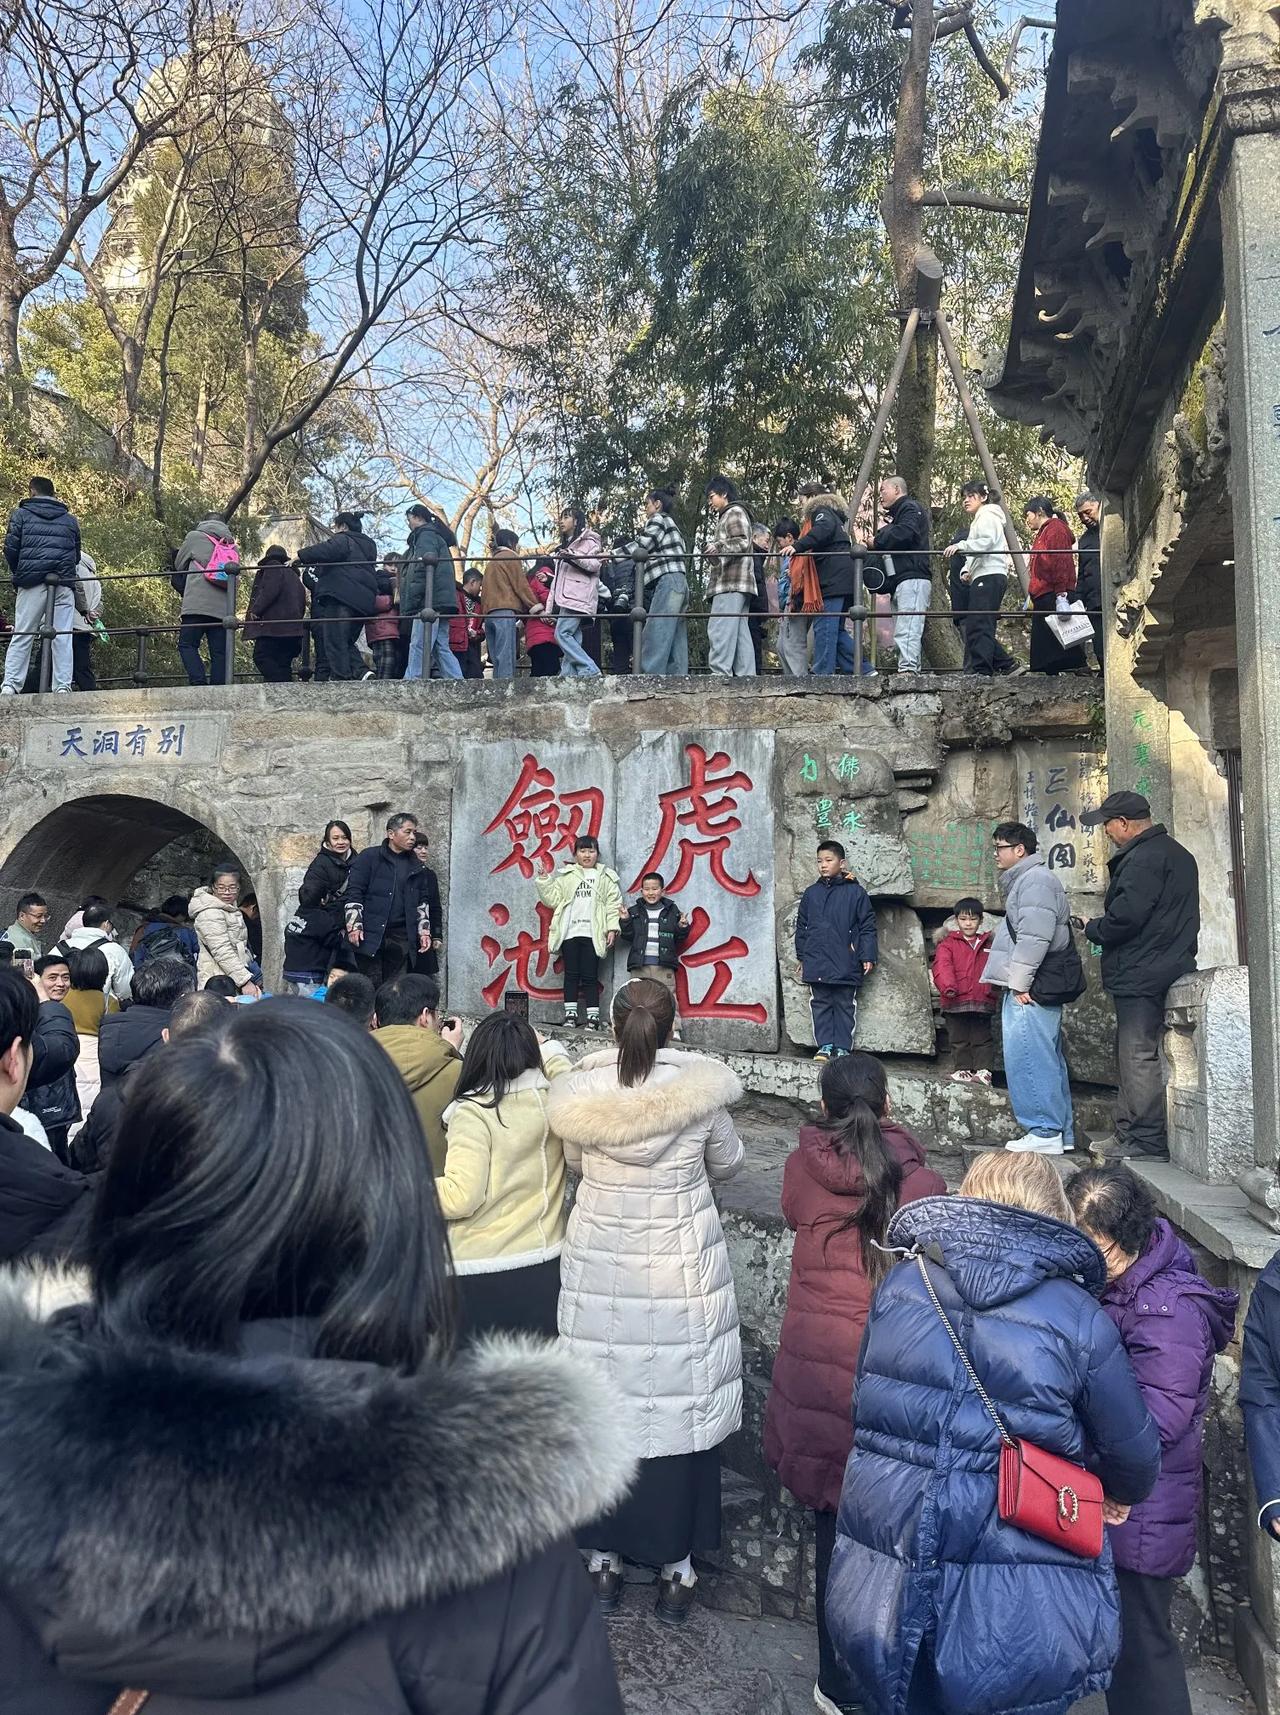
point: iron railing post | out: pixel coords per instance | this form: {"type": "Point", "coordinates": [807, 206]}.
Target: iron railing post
{"type": "Point", "coordinates": [230, 622]}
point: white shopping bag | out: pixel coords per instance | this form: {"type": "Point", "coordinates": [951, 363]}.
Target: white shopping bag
{"type": "Point", "coordinates": [1071, 625]}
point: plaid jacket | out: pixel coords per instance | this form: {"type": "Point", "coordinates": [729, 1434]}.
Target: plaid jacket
{"type": "Point", "coordinates": [659, 548]}
{"type": "Point", "coordinates": [730, 566]}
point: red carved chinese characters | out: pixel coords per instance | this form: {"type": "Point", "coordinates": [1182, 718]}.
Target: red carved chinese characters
{"type": "Point", "coordinates": [540, 822]}
{"type": "Point", "coordinates": [526, 959]}
{"type": "Point", "coordinates": [714, 820]}
{"type": "Point", "coordinates": [712, 1004]}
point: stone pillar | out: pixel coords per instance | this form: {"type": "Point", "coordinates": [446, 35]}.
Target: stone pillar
{"type": "Point", "coordinates": [1251, 263]}
{"type": "Point", "coordinates": [1137, 716]}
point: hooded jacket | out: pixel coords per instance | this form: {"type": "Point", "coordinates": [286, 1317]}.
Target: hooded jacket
{"type": "Point", "coordinates": [986, 547]}
{"type": "Point", "coordinates": [502, 1188]}
{"type": "Point", "coordinates": [278, 603]}
{"type": "Point", "coordinates": [428, 571]}
{"type": "Point", "coordinates": [606, 905]}
{"type": "Point", "coordinates": [646, 1288]}
{"type": "Point", "coordinates": [957, 973]}
{"type": "Point", "coordinates": [808, 1431]}
{"type": "Point", "coordinates": [312, 935]}
{"type": "Point", "coordinates": [119, 984]}
{"type": "Point", "coordinates": [1016, 1624]}
{"type": "Point", "coordinates": [42, 541]}
{"type": "Point", "coordinates": [1036, 921]}
{"type": "Point", "coordinates": [635, 930]}
{"type": "Point", "coordinates": [44, 1211]}
{"type": "Point", "coordinates": [223, 935]}
{"type": "Point", "coordinates": [200, 598]}
{"type": "Point", "coordinates": [1260, 1391]}
{"type": "Point", "coordinates": [1172, 1323]}
{"type": "Point", "coordinates": [1149, 930]}
{"type": "Point", "coordinates": [825, 526]}
{"type": "Point", "coordinates": [835, 931]}
{"type": "Point", "coordinates": [124, 1037]}
{"type": "Point", "coordinates": [430, 1067]}
{"type": "Point", "coordinates": [344, 568]}
{"type": "Point", "coordinates": [278, 1533]}
{"type": "Point", "coordinates": [906, 539]}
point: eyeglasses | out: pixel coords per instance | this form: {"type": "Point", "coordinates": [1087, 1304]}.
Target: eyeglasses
{"type": "Point", "coordinates": [1005, 848]}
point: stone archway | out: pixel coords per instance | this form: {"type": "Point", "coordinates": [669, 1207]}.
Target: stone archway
{"type": "Point", "coordinates": [102, 843]}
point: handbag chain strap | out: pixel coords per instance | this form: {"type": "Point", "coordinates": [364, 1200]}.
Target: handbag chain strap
{"type": "Point", "coordinates": [983, 1395]}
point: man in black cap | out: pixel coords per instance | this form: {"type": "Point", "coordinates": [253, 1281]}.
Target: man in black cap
{"type": "Point", "coordinates": [1148, 932]}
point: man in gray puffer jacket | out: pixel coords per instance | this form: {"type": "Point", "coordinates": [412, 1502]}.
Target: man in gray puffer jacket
{"type": "Point", "coordinates": [205, 604]}
{"type": "Point", "coordinates": [1036, 922]}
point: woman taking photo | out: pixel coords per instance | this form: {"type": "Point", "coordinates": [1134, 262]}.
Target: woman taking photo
{"type": "Point", "coordinates": [259, 1392]}
{"type": "Point", "coordinates": [1053, 574]}
{"type": "Point", "coordinates": [936, 1602]}
{"type": "Point", "coordinates": [646, 1289]}
{"type": "Point", "coordinates": [1173, 1324]}
{"type": "Point", "coordinates": [840, 1189]}
{"type": "Point", "coordinates": [502, 1190]}
{"type": "Point", "coordinates": [314, 941]}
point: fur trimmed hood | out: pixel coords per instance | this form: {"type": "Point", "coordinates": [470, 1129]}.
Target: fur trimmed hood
{"type": "Point", "coordinates": [155, 1500]}
{"type": "Point", "coordinates": [834, 499]}
{"type": "Point", "coordinates": [590, 1106]}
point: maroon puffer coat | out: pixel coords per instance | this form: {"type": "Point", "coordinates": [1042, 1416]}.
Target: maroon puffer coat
{"type": "Point", "coordinates": [808, 1426]}
{"type": "Point", "coordinates": [957, 973]}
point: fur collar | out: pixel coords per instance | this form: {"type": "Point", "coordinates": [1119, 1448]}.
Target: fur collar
{"type": "Point", "coordinates": [590, 1106]}
{"type": "Point", "coordinates": [835, 500]}
{"type": "Point", "coordinates": [147, 1488]}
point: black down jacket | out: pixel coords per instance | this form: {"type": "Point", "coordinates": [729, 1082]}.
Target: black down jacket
{"type": "Point", "coordinates": [43, 540]}
{"type": "Point", "coordinates": [344, 567]}
{"type": "Point", "coordinates": [274, 1534]}
{"type": "Point", "coordinates": [44, 1212]}
{"type": "Point", "coordinates": [1150, 924]}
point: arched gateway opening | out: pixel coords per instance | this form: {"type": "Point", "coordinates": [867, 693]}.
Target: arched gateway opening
{"type": "Point", "coordinates": [134, 851]}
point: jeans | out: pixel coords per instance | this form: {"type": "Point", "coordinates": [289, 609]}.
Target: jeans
{"type": "Point", "coordinates": [575, 663]}
{"type": "Point", "coordinates": [793, 644]}
{"type": "Point", "coordinates": [833, 1009]}
{"type": "Point", "coordinates": [833, 1681]}
{"type": "Point", "coordinates": [665, 649]}
{"type": "Point", "coordinates": [336, 638]}
{"type": "Point", "coordinates": [28, 615]}
{"type": "Point", "coordinates": [1141, 1120]}
{"type": "Point", "coordinates": [729, 649]}
{"type": "Point", "coordinates": [910, 603]}
{"type": "Point", "coordinates": [832, 644]}
{"type": "Point", "coordinates": [986, 654]}
{"type": "Point", "coordinates": [1149, 1677]}
{"type": "Point", "coordinates": [190, 635]}
{"type": "Point", "coordinates": [500, 635]}
{"type": "Point", "coordinates": [444, 663]}
{"type": "Point", "coordinates": [1036, 1069]}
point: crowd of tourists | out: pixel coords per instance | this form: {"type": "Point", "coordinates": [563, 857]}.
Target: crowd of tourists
{"type": "Point", "coordinates": [295, 1221]}
{"type": "Point", "coordinates": [777, 594]}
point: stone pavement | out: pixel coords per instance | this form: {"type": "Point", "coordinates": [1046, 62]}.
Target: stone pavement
{"type": "Point", "coordinates": [719, 1664]}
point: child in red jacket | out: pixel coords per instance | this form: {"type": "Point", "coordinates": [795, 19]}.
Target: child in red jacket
{"type": "Point", "coordinates": [967, 1002]}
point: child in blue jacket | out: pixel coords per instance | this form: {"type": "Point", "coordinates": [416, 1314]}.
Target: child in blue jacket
{"type": "Point", "coordinates": [836, 947]}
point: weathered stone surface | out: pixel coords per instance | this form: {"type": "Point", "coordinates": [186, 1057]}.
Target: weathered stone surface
{"type": "Point", "coordinates": [849, 795]}
{"type": "Point", "coordinates": [1210, 1056]}
{"type": "Point", "coordinates": [895, 1011]}
{"type": "Point", "coordinates": [697, 808]}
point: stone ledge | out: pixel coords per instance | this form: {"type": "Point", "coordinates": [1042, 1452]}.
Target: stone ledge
{"type": "Point", "coordinates": [1215, 1216]}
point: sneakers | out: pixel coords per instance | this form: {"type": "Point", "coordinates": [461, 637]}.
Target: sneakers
{"type": "Point", "coordinates": [675, 1598]}
{"type": "Point", "coordinates": [1033, 1145]}
{"type": "Point", "coordinates": [825, 1053]}
{"type": "Point", "coordinates": [829, 1706]}
{"type": "Point", "coordinates": [982, 1077]}
{"type": "Point", "coordinates": [1106, 1149]}
{"type": "Point", "coordinates": [593, 1018]}
{"type": "Point", "coordinates": [571, 1018]}
{"type": "Point", "coordinates": [961, 1077]}
{"type": "Point", "coordinates": [7, 691]}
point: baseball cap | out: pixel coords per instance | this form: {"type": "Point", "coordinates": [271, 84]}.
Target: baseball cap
{"type": "Point", "coordinates": [1131, 805]}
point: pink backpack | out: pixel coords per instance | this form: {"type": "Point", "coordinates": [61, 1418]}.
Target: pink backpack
{"type": "Point", "coordinates": [224, 554]}
{"type": "Point", "coordinates": [573, 591]}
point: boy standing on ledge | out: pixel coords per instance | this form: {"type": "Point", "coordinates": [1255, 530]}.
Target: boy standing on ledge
{"type": "Point", "coordinates": [587, 901]}
{"type": "Point", "coordinates": [837, 949]}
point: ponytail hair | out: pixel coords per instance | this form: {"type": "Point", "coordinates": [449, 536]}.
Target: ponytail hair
{"type": "Point", "coordinates": [1045, 505]}
{"type": "Point", "coordinates": [854, 1096]}
{"type": "Point", "coordinates": [644, 1014]}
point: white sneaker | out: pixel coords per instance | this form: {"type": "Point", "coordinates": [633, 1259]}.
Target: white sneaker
{"type": "Point", "coordinates": [8, 691]}
{"type": "Point", "coordinates": [1032, 1145]}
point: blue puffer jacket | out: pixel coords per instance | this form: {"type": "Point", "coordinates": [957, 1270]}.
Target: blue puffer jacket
{"type": "Point", "coordinates": [43, 540]}
{"type": "Point", "coordinates": [1013, 1625]}
{"type": "Point", "coordinates": [835, 931]}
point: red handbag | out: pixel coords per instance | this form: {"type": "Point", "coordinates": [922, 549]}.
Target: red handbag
{"type": "Point", "coordinates": [1041, 1493]}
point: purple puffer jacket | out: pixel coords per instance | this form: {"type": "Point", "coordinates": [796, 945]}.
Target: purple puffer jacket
{"type": "Point", "coordinates": [1172, 1323]}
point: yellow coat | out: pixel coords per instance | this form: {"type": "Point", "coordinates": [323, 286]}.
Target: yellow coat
{"type": "Point", "coordinates": [502, 1189]}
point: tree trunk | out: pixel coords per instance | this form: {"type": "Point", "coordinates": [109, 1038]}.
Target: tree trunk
{"type": "Point", "coordinates": [200, 434]}
{"type": "Point", "coordinates": [903, 211]}
{"type": "Point", "coordinates": [11, 374]}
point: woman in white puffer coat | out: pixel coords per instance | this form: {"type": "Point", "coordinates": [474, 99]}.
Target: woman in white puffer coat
{"type": "Point", "coordinates": [646, 1288]}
